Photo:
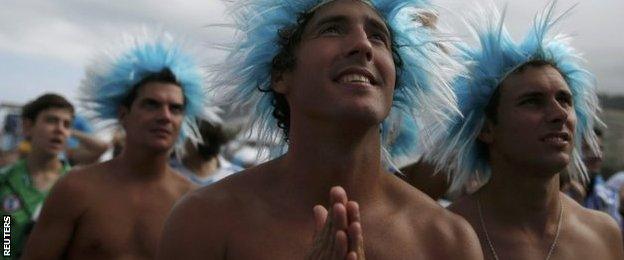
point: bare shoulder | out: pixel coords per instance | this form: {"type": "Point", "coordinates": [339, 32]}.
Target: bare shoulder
{"type": "Point", "coordinates": [595, 224]}
{"type": "Point", "coordinates": [443, 227]}
{"type": "Point", "coordinates": [595, 230]}
{"type": "Point", "coordinates": [78, 184]}
{"type": "Point", "coordinates": [456, 234]}
{"type": "Point", "coordinates": [200, 224]}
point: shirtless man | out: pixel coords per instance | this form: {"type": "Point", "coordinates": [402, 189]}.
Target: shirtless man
{"type": "Point", "coordinates": [340, 90]}
{"type": "Point", "coordinates": [524, 130]}
{"type": "Point", "coordinates": [117, 209]}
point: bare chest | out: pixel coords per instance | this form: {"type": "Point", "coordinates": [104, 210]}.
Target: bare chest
{"type": "Point", "coordinates": [570, 245]}
{"type": "Point", "coordinates": [281, 239]}
{"type": "Point", "coordinates": [122, 225]}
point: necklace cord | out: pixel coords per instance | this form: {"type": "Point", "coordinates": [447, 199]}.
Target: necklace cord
{"type": "Point", "coordinates": [491, 245]}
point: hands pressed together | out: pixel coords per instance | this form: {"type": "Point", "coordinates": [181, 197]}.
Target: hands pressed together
{"type": "Point", "coordinates": [338, 232]}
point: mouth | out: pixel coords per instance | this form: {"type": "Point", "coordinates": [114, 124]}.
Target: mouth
{"type": "Point", "coordinates": [160, 131]}
{"type": "Point", "coordinates": [57, 142]}
{"type": "Point", "coordinates": [558, 139]}
{"type": "Point", "coordinates": [356, 76]}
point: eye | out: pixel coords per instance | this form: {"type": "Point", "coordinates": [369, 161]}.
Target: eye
{"type": "Point", "coordinates": [565, 99]}
{"type": "Point", "coordinates": [530, 101]}
{"type": "Point", "coordinates": [379, 38]}
{"type": "Point", "coordinates": [331, 29]}
{"type": "Point", "coordinates": [51, 120]}
{"type": "Point", "coordinates": [151, 105]}
{"type": "Point", "coordinates": [177, 109]}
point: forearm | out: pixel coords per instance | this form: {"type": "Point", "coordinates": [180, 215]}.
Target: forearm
{"type": "Point", "coordinates": [90, 143]}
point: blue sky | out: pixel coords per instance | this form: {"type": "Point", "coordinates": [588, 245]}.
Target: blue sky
{"type": "Point", "coordinates": [45, 44]}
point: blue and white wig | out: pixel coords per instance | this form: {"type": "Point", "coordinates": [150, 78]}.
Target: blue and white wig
{"type": "Point", "coordinates": [423, 89]}
{"type": "Point", "coordinates": [401, 139]}
{"type": "Point", "coordinates": [113, 74]}
{"type": "Point", "coordinates": [497, 56]}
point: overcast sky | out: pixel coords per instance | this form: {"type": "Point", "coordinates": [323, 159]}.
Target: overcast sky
{"type": "Point", "coordinates": [45, 44]}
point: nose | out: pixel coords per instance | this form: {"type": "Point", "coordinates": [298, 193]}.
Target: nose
{"type": "Point", "coordinates": [557, 113]}
{"type": "Point", "coordinates": [64, 127]}
{"type": "Point", "coordinates": [164, 114]}
{"type": "Point", "coordinates": [359, 45]}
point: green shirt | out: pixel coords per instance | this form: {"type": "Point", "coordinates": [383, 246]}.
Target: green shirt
{"type": "Point", "coordinates": [22, 201]}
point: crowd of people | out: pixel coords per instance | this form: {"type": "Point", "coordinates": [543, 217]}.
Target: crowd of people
{"type": "Point", "coordinates": [374, 136]}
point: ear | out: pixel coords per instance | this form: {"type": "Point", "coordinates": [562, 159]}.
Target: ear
{"type": "Point", "coordinates": [486, 135]}
{"type": "Point", "coordinates": [280, 82]}
{"type": "Point", "coordinates": [122, 113]}
{"type": "Point", "coordinates": [27, 126]}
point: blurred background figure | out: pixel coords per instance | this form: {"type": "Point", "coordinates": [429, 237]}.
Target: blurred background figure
{"type": "Point", "coordinates": [10, 134]}
{"type": "Point", "coordinates": [616, 184]}
{"type": "Point", "coordinates": [24, 185]}
{"type": "Point", "coordinates": [599, 197]}
{"type": "Point", "coordinates": [84, 148]}
{"type": "Point", "coordinates": [203, 163]}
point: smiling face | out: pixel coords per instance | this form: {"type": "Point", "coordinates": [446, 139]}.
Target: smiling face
{"type": "Point", "coordinates": [50, 130]}
{"type": "Point", "coordinates": [154, 117]}
{"type": "Point", "coordinates": [535, 121]}
{"type": "Point", "coordinates": [344, 66]}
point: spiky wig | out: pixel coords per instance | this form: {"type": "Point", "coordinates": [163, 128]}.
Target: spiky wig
{"type": "Point", "coordinates": [497, 56]}
{"type": "Point", "coordinates": [113, 74]}
{"type": "Point", "coordinates": [422, 91]}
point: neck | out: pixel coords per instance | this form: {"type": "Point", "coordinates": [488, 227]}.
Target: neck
{"type": "Point", "coordinates": [38, 162]}
{"type": "Point", "coordinates": [142, 162]}
{"type": "Point", "coordinates": [516, 196]}
{"type": "Point", "coordinates": [200, 167]}
{"type": "Point", "coordinates": [322, 157]}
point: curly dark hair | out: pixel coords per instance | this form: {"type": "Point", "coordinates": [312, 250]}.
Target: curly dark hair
{"type": "Point", "coordinates": [285, 61]}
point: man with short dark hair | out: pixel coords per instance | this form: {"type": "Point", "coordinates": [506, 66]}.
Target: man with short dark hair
{"type": "Point", "coordinates": [46, 123]}
{"type": "Point", "coordinates": [116, 209]}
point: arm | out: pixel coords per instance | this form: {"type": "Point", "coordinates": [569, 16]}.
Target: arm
{"type": "Point", "coordinates": [53, 232]}
{"type": "Point", "coordinates": [89, 150]}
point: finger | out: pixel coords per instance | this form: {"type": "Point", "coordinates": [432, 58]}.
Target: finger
{"type": "Point", "coordinates": [320, 217]}
{"type": "Point", "coordinates": [356, 238]}
{"type": "Point", "coordinates": [341, 246]}
{"type": "Point", "coordinates": [353, 212]}
{"type": "Point", "coordinates": [352, 256]}
{"type": "Point", "coordinates": [337, 195]}
{"type": "Point", "coordinates": [339, 215]}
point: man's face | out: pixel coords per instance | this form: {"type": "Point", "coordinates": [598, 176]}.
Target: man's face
{"type": "Point", "coordinates": [155, 116]}
{"type": "Point", "coordinates": [49, 132]}
{"type": "Point", "coordinates": [593, 161]}
{"type": "Point", "coordinates": [344, 66]}
{"type": "Point", "coordinates": [536, 121]}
